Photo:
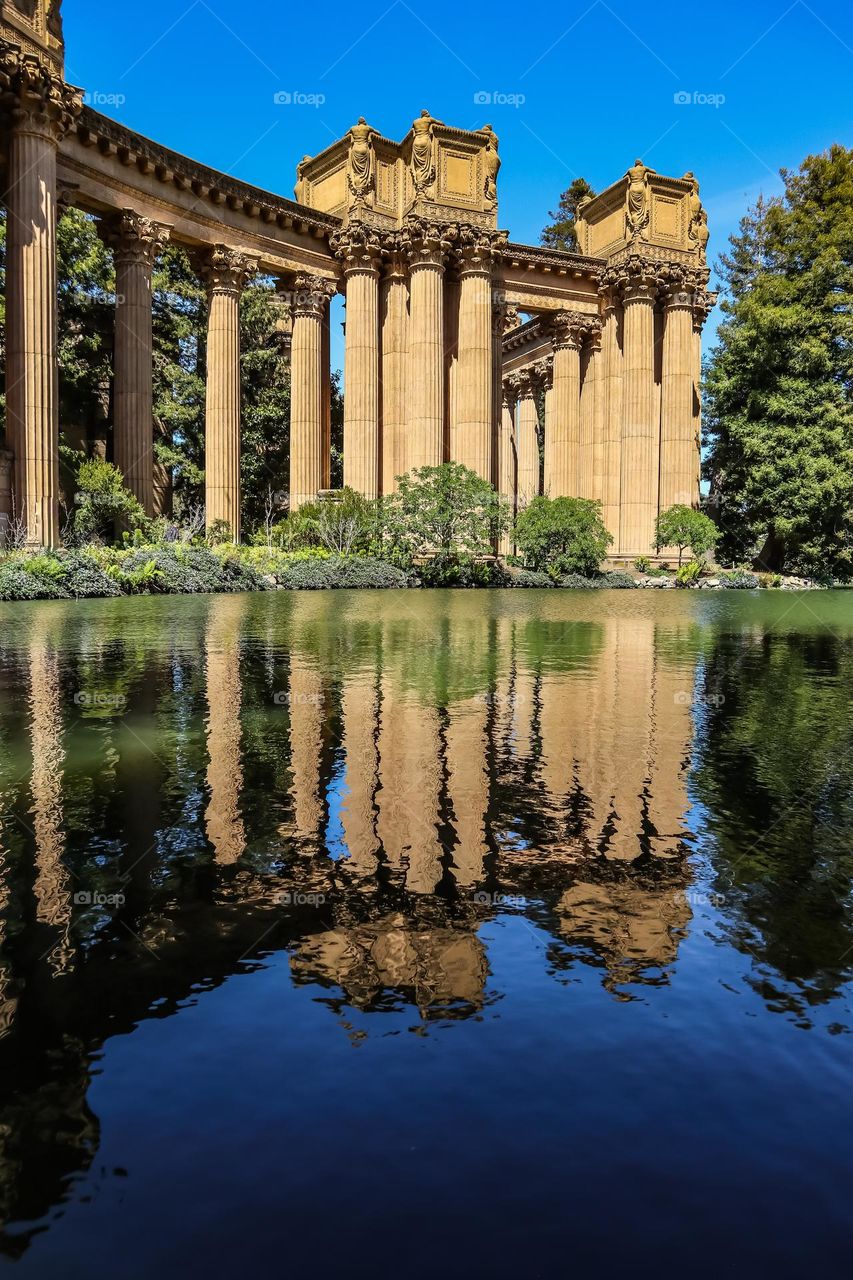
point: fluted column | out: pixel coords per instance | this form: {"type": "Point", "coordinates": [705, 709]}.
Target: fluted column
{"type": "Point", "coordinates": [358, 250]}
{"type": "Point", "coordinates": [528, 440]}
{"type": "Point", "coordinates": [307, 423]}
{"type": "Point", "coordinates": [640, 432]}
{"type": "Point", "coordinates": [508, 457]}
{"type": "Point", "coordinates": [42, 109]}
{"type": "Point", "coordinates": [393, 388]}
{"type": "Point", "coordinates": [591, 452]}
{"type": "Point", "coordinates": [679, 465]}
{"type": "Point", "coordinates": [136, 241]}
{"type": "Point", "coordinates": [225, 274]}
{"type": "Point", "coordinates": [562, 441]}
{"type": "Point", "coordinates": [613, 400]}
{"type": "Point", "coordinates": [425, 444]}
{"type": "Point", "coordinates": [471, 434]}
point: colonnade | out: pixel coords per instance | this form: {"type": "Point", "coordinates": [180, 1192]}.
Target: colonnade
{"type": "Point", "coordinates": [612, 413]}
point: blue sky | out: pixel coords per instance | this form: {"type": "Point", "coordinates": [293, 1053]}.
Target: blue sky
{"type": "Point", "coordinates": [583, 90]}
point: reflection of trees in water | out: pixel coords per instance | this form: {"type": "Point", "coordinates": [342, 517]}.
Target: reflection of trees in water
{"type": "Point", "coordinates": [774, 771]}
{"type": "Point", "coordinates": [411, 760]}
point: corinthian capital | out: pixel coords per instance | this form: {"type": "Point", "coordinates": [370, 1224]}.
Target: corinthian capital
{"type": "Point", "coordinates": [570, 329]}
{"type": "Point", "coordinates": [36, 99]}
{"type": "Point", "coordinates": [358, 247]}
{"type": "Point", "coordinates": [476, 249]}
{"type": "Point", "coordinates": [427, 243]}
{"type": "Point", "coordinates": [136, 239]}
{"type": "Point", "coordinates": [226, 270]}
{"type": "Point", "coordinates": [309, 296]}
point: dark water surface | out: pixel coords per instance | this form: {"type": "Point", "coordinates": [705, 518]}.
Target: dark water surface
{"type": "Point", "coordinates": [427, 934]}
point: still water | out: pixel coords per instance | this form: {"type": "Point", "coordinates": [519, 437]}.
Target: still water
{"type": "Point", "coordinates": [427, 934]}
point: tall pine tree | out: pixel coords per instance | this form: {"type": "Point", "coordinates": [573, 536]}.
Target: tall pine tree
{"type": "Point", "coordinates": [561, 231]}
{"type": "Point", "coordinates": [779, 387]}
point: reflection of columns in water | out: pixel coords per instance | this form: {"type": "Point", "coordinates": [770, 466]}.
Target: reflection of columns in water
{"type": "Point", "coordinates": [225, 829]}
{"type": "Point", "coordinates": [632, 745]}
{"type": "Point", "coordinates": [468, 784]}
{"type": "Point", "coordinates": [673, 731]}
{"type": "Point", "coordinates": [358, 812]}
{"type": "Point", "coordinates": [52, 885]}
{"type": "Point", "coordinates": [409, 795]}
{"type": "Point", "coordinates": [306, 705]}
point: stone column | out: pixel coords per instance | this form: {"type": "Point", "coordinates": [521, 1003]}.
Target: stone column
{"type": "Point", "coordinates": [562, 441]}
{"type": "Point", "coordinates": [225, 273]}
{"type": "Point", "coordinates": [679, 466]}
{"type": "Point", "coordinates": [590, 452]}
{"type": "Point", "coordinates": [427, 252]}
{"type": "Point", "coordinates": [613, 399]}
{"type": "Point", "coordinates": [507, 457]}
{"type": "Point", "coordinates": [42, 109]}
{"type": "Point", "coordinates": [471, 433]}
{"type": "Point", "coordinates": [136, 241]}
{"type": "Point", "coordinates": [528, 439]}
{"type": "Point", "coordinates": [394, 321]}
{"type": "Point", "coordinates": [358, 249]}
{"type": "Point", "coordinates": [499, 312]}
{"type": "Point", "coordinates": [640, 432]}
{"type": "Point", "coordinates": [307, 421]}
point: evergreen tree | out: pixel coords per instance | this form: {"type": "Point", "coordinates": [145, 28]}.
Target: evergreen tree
{"type": "Point", "coordinates": [780, 382]}
{"type": "Point", "coordinates": [560, 232]}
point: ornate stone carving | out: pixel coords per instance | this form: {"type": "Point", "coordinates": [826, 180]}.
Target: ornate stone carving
{"type": "Point", "coordinates": [697, 225]}
{"type": "Point", "coordinates": [492, 165]}
{"type": "Point", "coordinates": [54, 19]}
{"type": "Point", "coordinates": [427, 243]}
{"type": "Point", "coordinates": [361, 174]}
{"type": "Point", "coordinates": [572, 328]}
{"type": "Point", "coordinates": [423, 153]}
{"type": "Point", "coordinates": [136, 238]}
{"type": "Point", "coordinates": [310, 295]}
{"type": "Point", "coordinates": [35, 98]}
{"type": "Point", "coordinates": [703, 304]}
{"type": "Point", "coordinates": [476, 249]}
{"type": "Point", "coordinates": [358, 247]}
{"type": "Point", "coordinates": [301, 189]}
{"type": "Point", "coordinates": [637, 204]}
{"type": "Point", "coordinates": [511, 387]}
{"type": "Point", "coordinates": [226, 270]}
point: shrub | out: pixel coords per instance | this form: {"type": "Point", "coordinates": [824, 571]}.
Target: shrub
{"type": "Point", "coordinates": [689, 574]}
{"type": "Point", "coordinates": [740, 580]}
{"type": "Point", "coordinates": [682, 527]}
{"type": "Point", "coordinates": [84, 579]}
{"type": "Point", "coordinates": [562, 536]}
{"type": "Point", "coordinates": [447, 510]}
{"type": "Point", "coordinates": [334, 573]}
{"type": "Point", "coordinates": [17, 584]}
{"type": "Point", "coordinates": [618, 581]}
{"type": "Point", "coordinates": [598, 582]}
{"type": "Point", "coordinates": [459, 571]}
{"type": "Point", "coordinates": [102, 501]}
{"type": "Point", "coordinates": [643, 564]}
{"type": "Point", "coordinates": [529, 578]}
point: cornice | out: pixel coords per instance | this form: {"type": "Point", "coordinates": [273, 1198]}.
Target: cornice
{"type": "Point", "coordinates": [111, 138]}
{"type": "Point", "coordinates": [557, 260]}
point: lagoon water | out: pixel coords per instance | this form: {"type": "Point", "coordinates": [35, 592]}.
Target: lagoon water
{"type": "Point", "coordinates": [427, 934]}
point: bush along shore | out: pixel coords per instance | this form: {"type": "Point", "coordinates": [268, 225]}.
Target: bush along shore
{"type": "Point", "coordinates": [438, 530]}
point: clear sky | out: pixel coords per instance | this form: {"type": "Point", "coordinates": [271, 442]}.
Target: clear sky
{"type": "Point", "coordinates": [576, 88]}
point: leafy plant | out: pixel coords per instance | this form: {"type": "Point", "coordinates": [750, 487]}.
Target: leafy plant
{"type": "Point", "coordinates": [689, 574]}
{"type": "Point", "coordinates": [447, 510]}
{"type": "Point", "coordinates": [562, 536]}
{"type": "Point", "coordinates": [683, 527]}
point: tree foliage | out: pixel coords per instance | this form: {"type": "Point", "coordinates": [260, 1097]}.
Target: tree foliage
{"type": "Point", "coordinates": [448, 510]}
{"type": "Point", "coordinates": [682, 527]}
{"type": "Point", "coordinates": [780, 381]}
{"type": "Point", "coordinates": [562, 536]}
{"type": "Point", "coordinates": [560, 233]}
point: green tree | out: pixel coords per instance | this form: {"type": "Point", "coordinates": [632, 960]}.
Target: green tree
{"type": "Point", "coordinates": [779, 386]}
{"type": "Point", "coordinates": [560, 232]}
{"type": "Point", "coordinates": [562, 535]}
{"type": "Point", "coordinates": [447, 510]}
{"type": "Point", "coordinates": [102, 502]}
{"type": "Point", "coordinates": [682, 527]}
